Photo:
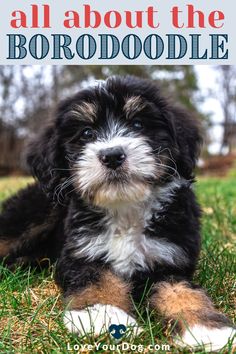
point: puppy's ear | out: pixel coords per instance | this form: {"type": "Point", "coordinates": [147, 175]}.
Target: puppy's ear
{"type": "Point", "coordinates": [43, 159]}
{"type": "Point", "coordinates": [188, 136]}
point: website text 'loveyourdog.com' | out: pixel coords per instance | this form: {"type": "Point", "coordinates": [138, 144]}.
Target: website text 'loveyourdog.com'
{"type": "Point", "coordinates": [121, 347]}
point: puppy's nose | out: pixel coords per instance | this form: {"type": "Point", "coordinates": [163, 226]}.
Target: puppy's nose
{"type": "Point", "coordinates": [112, 157]}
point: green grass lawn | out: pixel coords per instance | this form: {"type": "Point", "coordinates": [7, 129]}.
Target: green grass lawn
{"type": "Point", "coordinates": [30, 305]}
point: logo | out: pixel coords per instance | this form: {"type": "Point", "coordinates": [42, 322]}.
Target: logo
{"type": "Point", "coordinates": [117, 331]}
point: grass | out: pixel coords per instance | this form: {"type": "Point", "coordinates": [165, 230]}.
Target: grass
{"type": "Point", "coordinates": [30, 305]}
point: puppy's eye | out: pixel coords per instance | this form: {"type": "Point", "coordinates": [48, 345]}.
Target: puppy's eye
{"type": "Point", "coordinates": [137, 124]}
{"type": "Point", "coordinates": [87, 134]}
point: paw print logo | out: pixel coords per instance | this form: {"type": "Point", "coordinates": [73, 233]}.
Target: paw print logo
{"type": "Point", "coordinates": [117, 331]}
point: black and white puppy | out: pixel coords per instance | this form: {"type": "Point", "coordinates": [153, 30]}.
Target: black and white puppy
{"type": "Point", "coordinates": [114, 205]}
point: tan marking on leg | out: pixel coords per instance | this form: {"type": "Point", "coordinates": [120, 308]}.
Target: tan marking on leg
{"type": "Point", "coordinates": [110, 290]}
{"type": "Point", "coordinates": [5, 247]}
{"type": "Point", "coordinates": [10, 244]}
{"type": "Point", "coordinates": [188, 306]}
{"type": "Point", "coordinates": [34, 230]}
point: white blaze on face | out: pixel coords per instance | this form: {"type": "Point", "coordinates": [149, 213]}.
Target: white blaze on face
{"type": "Point", "coordinates": [93, 177]}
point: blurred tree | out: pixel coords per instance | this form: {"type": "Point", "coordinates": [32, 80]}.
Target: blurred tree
{"type": "Point", "coordinates": [179, 81]}
{"type": "Point", "coordinates": [227, 97]}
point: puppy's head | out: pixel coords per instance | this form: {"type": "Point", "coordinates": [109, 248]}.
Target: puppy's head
{"type": "Point", "coordinates": [113, 142]}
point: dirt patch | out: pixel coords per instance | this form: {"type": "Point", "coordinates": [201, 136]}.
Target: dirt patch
{"type": "Point", "coordinates": [217, 165]}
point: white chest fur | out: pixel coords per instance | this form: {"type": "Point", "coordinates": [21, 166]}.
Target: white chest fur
{"type": "Point", "coordinates": [124, 244]}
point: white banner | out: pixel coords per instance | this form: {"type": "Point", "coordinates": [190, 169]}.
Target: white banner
{"type": "Point", "coordinates": [117, 32]}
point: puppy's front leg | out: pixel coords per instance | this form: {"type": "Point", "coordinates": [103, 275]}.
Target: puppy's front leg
{"type": "Point", "coordinates": [95, 299]}
{"type": "Point", "coordinates": [197, 321]}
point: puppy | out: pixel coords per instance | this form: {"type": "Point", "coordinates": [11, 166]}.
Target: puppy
{"type": "Point", "coordinates": [114, 205]}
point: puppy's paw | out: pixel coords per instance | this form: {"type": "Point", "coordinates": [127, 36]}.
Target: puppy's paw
{"type": "Point", "coordinates": [213, 339]}
{"type": "Point", "coordinates": [96, 319]}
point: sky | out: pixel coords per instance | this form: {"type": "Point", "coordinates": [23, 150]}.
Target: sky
{"type": "Point", "coordinates": [207, 80]}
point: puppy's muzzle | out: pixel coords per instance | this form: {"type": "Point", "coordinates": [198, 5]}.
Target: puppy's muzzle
{"type": "Point", "coordinates": [112, 157]}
